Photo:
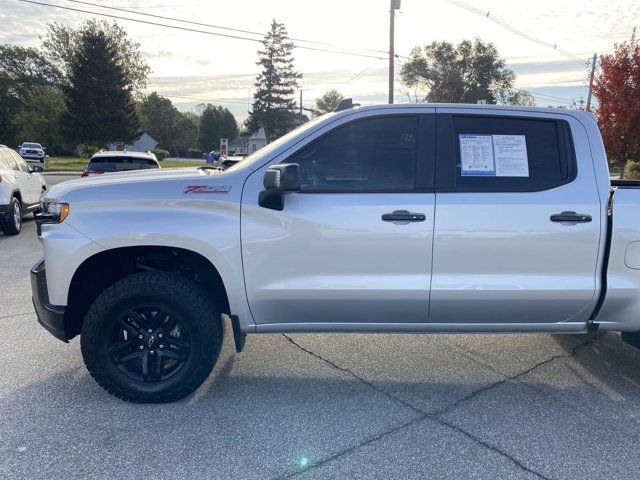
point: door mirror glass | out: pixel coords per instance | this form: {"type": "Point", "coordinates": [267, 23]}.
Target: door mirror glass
{"type": "Point", "coordinates": [277, 180]}
{"type": "Point", "coordinates": [36, 168]}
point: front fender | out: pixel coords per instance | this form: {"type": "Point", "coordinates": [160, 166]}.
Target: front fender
{"type": "Point", "coordinates": [208, 227]}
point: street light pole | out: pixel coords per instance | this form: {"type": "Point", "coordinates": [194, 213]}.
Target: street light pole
{"type": "Point", "coordinates": [393, 6]}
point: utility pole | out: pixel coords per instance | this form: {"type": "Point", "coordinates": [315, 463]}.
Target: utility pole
{"type": "Point", "coordinates": [593, 71]}
{"type": "Point", "coordinates": [393, 6]}
{"type": "Point", "coordinates": [300, 106]}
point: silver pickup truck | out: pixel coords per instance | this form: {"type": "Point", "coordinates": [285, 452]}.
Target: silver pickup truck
{"type": "Point", "coordinates": [398, 218]}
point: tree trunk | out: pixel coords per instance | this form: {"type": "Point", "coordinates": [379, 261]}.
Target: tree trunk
{"type": "Point", "coordinates": [624, 164]}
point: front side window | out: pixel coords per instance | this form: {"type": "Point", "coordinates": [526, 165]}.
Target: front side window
{"type": "Point", "coordinates": [375, 154]}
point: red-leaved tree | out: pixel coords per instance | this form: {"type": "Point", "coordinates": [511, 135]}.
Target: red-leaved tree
{"type": "Point", "coordinates": [617, 88]}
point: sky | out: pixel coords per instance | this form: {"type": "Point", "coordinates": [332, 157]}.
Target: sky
{"type": "Point", "coordinates": [193, 67]}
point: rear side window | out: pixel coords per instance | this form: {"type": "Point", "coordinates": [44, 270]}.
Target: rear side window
{"type": "Point", "coordinates": [369, 155]}
{"type": "Point", "coordinates": [508, 153]}
{"type": "Point", "coordinates": [22, 165]}
{"type": "Point", "coordinates": [120, 164]}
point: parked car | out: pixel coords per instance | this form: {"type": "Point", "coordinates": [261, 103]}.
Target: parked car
{"type": "Point", "coordinates": [109, 161]}
{"type": "Point", "coordinates": [32, 151]}
{"type": "Point", "coordinates": [20, 190]}
{"type": "Point", "coordinates": [225, 162]}
{"type": "Point", "coordinates": [396, 218]}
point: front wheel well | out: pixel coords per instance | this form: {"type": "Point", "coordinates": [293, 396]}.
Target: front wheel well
{"type": "Point", "coordinates": [105, 268]}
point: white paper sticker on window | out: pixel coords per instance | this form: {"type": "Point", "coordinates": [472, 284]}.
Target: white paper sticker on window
{"type": "Point", "coordinates": [510, 152]}
{"type": "Point", "coordinates": [476, 156]}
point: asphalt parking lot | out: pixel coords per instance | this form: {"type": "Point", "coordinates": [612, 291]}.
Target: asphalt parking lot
{"type": "Point", "coordinates": [323, 406]}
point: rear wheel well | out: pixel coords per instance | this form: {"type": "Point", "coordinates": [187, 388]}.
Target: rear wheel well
{"type": "Point", "coordinates": [17, 195]}
{"type": "Point", "coordinates": [105, 268]}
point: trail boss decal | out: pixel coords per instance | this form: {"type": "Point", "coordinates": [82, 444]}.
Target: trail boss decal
{"type": "Point", "coordinates": [207, 189]}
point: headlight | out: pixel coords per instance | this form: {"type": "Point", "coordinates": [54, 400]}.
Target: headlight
{"type": "Point", "coordinates": [54, 212]}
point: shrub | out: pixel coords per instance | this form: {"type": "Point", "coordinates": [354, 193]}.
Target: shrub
{"type": "Point", "coordinates": [160, 153]}
{"type": "Point", "coordinates": [194, 153]}
{"type": "Point", "coordinates": [633, 170]}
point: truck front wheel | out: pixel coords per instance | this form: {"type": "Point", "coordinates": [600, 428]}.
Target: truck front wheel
{"type": "Point", "coordinates": [151, 337]}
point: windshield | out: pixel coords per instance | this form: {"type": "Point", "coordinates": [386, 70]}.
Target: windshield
{"type": "Point", "coordinates": [258, 156]}
{"type": "Point", "coordinates": [31, 145]}
{"type": "Point", "coordinates": [120, 164]}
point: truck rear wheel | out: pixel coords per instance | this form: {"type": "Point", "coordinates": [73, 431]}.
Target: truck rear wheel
{"type": "Point", "coordinates": [151, 337]}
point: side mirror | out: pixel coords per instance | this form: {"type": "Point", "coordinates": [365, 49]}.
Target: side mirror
{"type": "Point", "coordinates": [36, 168]}
{"type": "Point", "coordinates": [278, 179]}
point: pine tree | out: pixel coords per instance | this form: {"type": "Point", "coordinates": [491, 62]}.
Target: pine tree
{"type": "Point", "coordinates": [274, 104]}
{"type": "Point", "coordinates": [99, 102]}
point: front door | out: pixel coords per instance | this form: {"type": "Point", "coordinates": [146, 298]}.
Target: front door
{"type": "Point", "coordinates": [502, 255]}
{"type": "Point", "coordinates": [342, 251]}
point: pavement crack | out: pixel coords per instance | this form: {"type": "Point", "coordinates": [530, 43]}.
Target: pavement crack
{"type": "Point", "coordinates": [435, 416]}
{"type": "Point", "coordinates": [482, 390]}
{"type": "Point", "coordinates": [357, 377]}
{"type": "Point", "coordinates": [488, 446]}
{"type": "Point", "coordinates": [352, 449]}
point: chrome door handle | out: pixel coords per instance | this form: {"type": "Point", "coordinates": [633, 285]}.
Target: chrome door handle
{"type": "Point", "coordinates": [403, 216]}
{"type": "Point", "coordinates": [572, 217]}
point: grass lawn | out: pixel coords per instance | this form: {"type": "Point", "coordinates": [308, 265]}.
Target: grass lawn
{"type": "Point", "coordinates": [77, 164]}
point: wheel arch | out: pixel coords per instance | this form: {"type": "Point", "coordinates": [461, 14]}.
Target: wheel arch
{"type": "Point", "coordinates": [102, 269]}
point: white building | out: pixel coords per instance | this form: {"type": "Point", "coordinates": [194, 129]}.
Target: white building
{"type": "Point", "coordinates": [143, 144]}
{"type": "Point", "coordinates": [247, 144]}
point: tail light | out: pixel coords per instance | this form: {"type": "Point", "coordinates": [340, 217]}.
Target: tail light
{"type": "Point", "coordinates": [86, 173]}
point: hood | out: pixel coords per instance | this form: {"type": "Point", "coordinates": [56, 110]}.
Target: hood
{"type": "Point", "coordinates": [123, 178]}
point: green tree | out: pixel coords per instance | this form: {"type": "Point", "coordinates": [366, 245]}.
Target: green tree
{"type": "Point", "coordinates": [99, 101]}
{"type": "Point", "coordinates": [216, 122]}
{"type": "Point", "coordinates": [463, 73]}
{"type": "Point", "coordinates": [521, 98]}
{"type": "Point", "coordinates": [328, 101]}
{"type": "Point", "coordinates": [187, 127]}
{"type": "Point", "coordinates": [61, 44]}
{"type": "Point", "coordinates": [159, 117]}
{"type": "Point", "coordinates": [22, 70]}
{"type": "Point", "coordinates": [274, 104]}
{"type": "Point", "coordinates": [39, 120]}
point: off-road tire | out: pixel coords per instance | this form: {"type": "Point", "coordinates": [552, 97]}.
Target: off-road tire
{"type": "Point", "coordinates": [168, 290]}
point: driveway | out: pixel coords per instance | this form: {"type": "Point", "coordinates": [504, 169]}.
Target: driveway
{"type": "Point", "coordinates": [323, 406]}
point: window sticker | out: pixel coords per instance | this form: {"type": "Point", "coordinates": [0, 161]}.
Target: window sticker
{"type": "Point", "coordinates": [476, 156]}
{"type": "Point", "coordinates": [510, 156]}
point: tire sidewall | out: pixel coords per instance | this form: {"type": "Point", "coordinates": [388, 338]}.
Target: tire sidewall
{"type": "Point", "coordinates": [98, 327]}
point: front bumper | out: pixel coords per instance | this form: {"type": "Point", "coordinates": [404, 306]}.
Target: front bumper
{"type": "Point", "coordinates": [33, 156]}
{"type": "Point", "coordinates": [51, 317]}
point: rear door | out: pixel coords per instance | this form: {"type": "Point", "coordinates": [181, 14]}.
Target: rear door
{"type": "Point", "coordinates": [502, 252]}
{"type": "Point", "coordinates": [30, 186]}
{"type": "Point", "coordinates": [336, 254]}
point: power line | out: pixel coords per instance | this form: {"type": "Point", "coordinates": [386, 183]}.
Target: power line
{"type": "Point", "coordinates": [191, 22]}
{"type": "Point", "coordinates": [194, 30]}
{"type": "Point", "coordinates": [511, 28]}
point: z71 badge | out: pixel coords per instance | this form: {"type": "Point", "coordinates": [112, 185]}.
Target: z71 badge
{"type": "Point", "coordinates": [207, 189]}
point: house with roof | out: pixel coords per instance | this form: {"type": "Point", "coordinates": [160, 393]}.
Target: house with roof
{"type": "Point", "coordinates": [247, 144]}
{"type": "Point", "coordinates": [145, 143]}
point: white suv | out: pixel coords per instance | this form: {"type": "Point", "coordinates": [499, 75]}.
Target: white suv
{"type": "Point", "coordinates": [20, 190]}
